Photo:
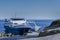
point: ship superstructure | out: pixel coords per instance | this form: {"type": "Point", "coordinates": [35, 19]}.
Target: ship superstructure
{"type": "Point", "coordinates": [16, 26]}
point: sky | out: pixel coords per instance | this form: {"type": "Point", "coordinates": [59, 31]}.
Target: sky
{"type": "Point", "coordinates": [30, 9]}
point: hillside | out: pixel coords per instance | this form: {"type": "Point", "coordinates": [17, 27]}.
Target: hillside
{"type": "Point", "coordinates": [55, 22]}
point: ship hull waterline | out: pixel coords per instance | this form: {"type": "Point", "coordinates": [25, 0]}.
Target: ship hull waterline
{"type": "Point", "coordinates": [16, 31]}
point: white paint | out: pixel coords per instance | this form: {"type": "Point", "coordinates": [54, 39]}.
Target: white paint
{"type": "Point", "coordinates": [37, 28]}
{"type": "Point", "coordinates": [19, 22]}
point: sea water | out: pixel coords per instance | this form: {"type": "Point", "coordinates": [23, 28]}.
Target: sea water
{"type": "Point", "coordinates": [41, 23]}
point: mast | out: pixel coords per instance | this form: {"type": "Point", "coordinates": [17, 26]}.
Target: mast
{"type": "Point", "coordinates": [15, 14]}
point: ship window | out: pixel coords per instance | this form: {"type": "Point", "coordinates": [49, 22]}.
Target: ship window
{"type": "Point", "coordinates": [16, 19]}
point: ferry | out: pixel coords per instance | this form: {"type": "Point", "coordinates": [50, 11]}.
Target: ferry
{"type": "Point", "coordinates": [16, 26]}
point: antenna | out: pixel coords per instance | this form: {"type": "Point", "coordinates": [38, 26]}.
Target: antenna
{"type": "Point", "coordinates": [15, 14]}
